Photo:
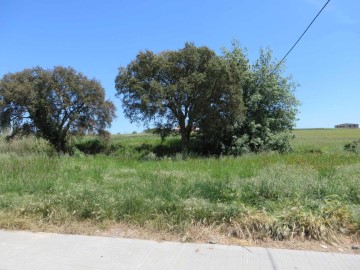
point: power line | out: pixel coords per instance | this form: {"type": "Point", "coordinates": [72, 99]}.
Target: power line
{"type": "Point", "coordinates": [282, 60]}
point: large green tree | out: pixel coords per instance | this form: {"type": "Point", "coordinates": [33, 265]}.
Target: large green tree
{"type": "Point", "coordinates": [271, 106]}
{"type": "Point", "coordinates": [53, 104]}
{"type": "Point", "coordinates": [187, 88]}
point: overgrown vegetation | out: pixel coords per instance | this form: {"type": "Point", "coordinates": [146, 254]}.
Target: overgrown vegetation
{"type": "Point", "coordinates": [311, 193]}
{"type": "Point", "coordinates": [236, 107]}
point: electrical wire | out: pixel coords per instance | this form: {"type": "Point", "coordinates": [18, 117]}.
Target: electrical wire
{"type": "Point", "coordinates": [282, 60]}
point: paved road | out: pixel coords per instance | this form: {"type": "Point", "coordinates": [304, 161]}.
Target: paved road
{"type": "Point", "coordinates": [26, 250]}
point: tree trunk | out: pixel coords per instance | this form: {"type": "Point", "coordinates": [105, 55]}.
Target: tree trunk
{"type": "Point", "coordinates": [184, 144]}
{"type": "Point", "coordinates": [59, 144]}
{"type": "Point", "coordinates": [185, 138]}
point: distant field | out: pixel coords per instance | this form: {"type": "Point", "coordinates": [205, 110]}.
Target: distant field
{"type": "Point", "coordinates": [136, 139]}
{"type": "Point", "coordinates": [332, 140]}
{"type": "Point", "coordinates": [323, 139]}
{"type": "Point", "coordinates": [311, 193]}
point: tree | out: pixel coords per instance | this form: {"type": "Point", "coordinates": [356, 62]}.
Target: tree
{"type": "Point", "coordinates": [53, 104]}
{"type": "Point", "coordinates": [180, 89]}
{"type": "Point", "coordinates": [271, 106]}
{"type": "Point", "coordinates": [218, 126]}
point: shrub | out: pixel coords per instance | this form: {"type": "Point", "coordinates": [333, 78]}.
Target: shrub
{"type": "Point", "coordinates": [92, 146]}
{"type": "Point", "coordinates": [353, 146]}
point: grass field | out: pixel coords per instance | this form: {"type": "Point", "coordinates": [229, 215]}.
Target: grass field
{"type": "Point", "coordinates": [310, 193]}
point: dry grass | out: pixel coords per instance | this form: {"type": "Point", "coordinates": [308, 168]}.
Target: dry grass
{"type": "Point", "coordinates": [193, 234]}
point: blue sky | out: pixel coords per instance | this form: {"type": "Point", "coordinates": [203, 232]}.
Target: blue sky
{"type": "Point", "coordinates": [97, 37]}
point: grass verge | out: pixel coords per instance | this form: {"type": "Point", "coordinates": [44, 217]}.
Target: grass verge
{"type": "Point", "coordinates": [253, 197]}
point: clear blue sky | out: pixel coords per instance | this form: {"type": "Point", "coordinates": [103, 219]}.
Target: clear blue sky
{"type": "Point", "coordinates": [97, 37]}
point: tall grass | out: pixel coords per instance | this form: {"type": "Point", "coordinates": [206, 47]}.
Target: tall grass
{"type": "Point", "coordinates": [175, 194]}
{"type": "Point", "coordinates": [307, 194]}
{"type": "Point", "coordinates": [26, 146]}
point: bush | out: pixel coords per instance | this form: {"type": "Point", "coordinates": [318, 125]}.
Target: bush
{"type": "Point", "coordinates": [280, 142]}
{"type": "Point", "coordinates": [92, 146]}
{"type": "Point", "coordinates": [162, 150]}
{"type": "Point", "coordinates": [353, 146]}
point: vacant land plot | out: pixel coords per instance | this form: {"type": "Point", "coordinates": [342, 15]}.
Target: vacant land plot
{"type": "Point", "coordinates": [311, 193]}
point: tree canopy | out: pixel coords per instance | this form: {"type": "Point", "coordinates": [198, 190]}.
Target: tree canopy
{"type": "Point", "coordinates": [187, 88]}
{"type": "Point", "coordinates": [271, 106]}
{"type": "Point", "coordinates": [53, 104]}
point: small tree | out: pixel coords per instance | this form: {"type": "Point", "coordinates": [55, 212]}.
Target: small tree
{"type": "Point", "coordinates": [271, 106]}
{"type": "Point", "coordinates": [53, 104]}
{"type": "Point", "coordinates": [179, 89]}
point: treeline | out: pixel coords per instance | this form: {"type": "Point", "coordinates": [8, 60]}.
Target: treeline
{"type": "Point", "coordinates": [221, 103]}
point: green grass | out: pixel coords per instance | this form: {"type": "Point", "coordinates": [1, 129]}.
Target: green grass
{"type": "Point", "coordinates": [136, 139]}
{"type": "Point", "coordinates": [313, 192]}
{"type": "Point", "coordinates": [324, 140]}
